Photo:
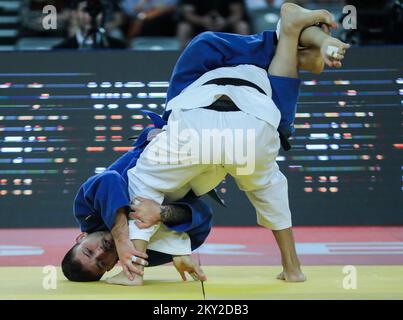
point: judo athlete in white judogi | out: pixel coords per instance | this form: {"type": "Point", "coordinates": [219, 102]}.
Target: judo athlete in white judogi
{"type": "Point", "coordinates": [240, 91]}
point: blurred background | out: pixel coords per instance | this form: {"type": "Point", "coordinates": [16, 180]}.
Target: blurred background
{"type": "Point", "coordinates": [171, 24]}
{"type": "Point", "coordinates": [71, 96]}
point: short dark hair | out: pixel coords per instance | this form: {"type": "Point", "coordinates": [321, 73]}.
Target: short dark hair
{"type": "Point", "coordinates": [74, 270]}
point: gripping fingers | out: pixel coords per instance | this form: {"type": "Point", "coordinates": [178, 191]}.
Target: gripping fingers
{"type": "Point", "coordinates": [332, 51]}
{"type": "Point", "coordinates": [194, 276]}
{"type": "Point", "coordinates": [142, 225]}
{"type": "Point", "coordinates": [133, 269]}
{"type": "Point", "coordinates": [140, 261]}
{"type": "Point", "coordinates": [134, 215]}
{"type": "Point", "coordinates": [135, 203]}
{"type": "Point", "coordinates": [338, 56]}
{"type": "Point", "coordinates": [127, 272]}
{"type": "Point", "coordinates": [325, 28]}
{"type": "Point", "coordinates": [334, 56]}
{"type": "Point", "coordinates": [337, 64]}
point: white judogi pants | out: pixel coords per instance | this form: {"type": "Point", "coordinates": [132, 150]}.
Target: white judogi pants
{"type": "Point", "coordinates": [169, 167]}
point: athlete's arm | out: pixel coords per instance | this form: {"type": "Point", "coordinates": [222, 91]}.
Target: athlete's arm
{"type": "Point", "coordinates": [149, 212]}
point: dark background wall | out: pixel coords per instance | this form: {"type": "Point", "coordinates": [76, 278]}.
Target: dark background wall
{"type": "Point", "coordinates": [66, 115]}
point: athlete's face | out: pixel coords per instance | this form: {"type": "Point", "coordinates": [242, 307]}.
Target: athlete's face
{"type": "Point", "coordinates": [96, 252]}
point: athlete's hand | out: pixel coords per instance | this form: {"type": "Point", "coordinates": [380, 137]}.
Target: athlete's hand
{"type": "Point", "coordinates": [129, 257]}
{"type": "Point", "coordinates": [187, 264]}
{"type": "Point", "coordinates": [145, 212]}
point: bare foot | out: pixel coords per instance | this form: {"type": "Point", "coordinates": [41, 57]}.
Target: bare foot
{"type": "Point", "coordinates": [311, 60]}
{"type": "Point", "coordinates": [295, 276]}
{"type": "Point", "coordinates": [122, 280]}
{"type": "Point", "coordinates": [333, 51]}
{"type": "Point", "coordinates": [295, 18]}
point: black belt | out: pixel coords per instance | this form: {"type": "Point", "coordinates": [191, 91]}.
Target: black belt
{"type": "Point", "coordinates": [235, 82]}
{"type": "Point", "coordinates": [230, 106]}
{"type": "Point", "coordinates": [223, 106]}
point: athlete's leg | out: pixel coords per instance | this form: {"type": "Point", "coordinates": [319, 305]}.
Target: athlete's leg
{"type": "Point", "coordinates": [322, 46]}
{"type": "Point", "coordinates": [121, 279]}
{"type": "Point", "coordinates": [311, 60]}
{"type": "Point", "coordinates": [318, 46]}
{"type": "Point", "coordinates": [140, 239]}
{"type": "Point", "coordinates": [294, 20]}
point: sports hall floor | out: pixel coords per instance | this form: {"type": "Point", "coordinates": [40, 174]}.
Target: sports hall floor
{"type": "Point", "coordinates": [241, 263]}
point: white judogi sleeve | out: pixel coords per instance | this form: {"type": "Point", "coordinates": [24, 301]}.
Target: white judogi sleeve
{"type": "Point", "coordinates": [135, 233]}
{"type": "Point", "coordinates": [160, 238]}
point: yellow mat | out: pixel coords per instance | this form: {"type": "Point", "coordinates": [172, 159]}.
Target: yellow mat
{"type": "Point", "coordinates": [224, 282]}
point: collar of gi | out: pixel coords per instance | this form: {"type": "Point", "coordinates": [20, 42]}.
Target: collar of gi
{"type": "Point", "coordinates": [158, 123]}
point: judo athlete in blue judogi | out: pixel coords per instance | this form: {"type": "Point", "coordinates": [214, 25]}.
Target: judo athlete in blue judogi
{"type": "Point", "coordinates": [220, 81]}
{"type": "Point", "coordinates": [186, 225]}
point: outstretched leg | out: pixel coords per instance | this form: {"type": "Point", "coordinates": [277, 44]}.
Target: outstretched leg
{"type": "Point", "coordinates": [294, 20]}
{"type": "Point", "coordinates": [311, 60]}
{"type": "Point", "coordinates": [319, 47]}
{"type": "Point", "coordinates": [121, 278]}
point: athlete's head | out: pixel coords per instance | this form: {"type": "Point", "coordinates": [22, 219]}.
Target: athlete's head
{"type": "Point", "coordinates": [90, 257]}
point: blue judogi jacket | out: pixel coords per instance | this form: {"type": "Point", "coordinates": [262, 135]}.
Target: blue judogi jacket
{"type": "Point", "coordinates": [212, 50]}
{"type": "Point", "coordinates": [98, 199]}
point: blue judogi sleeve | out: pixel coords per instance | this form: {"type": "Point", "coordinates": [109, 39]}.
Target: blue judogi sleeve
{"type": "Point", "coordinates": [285, 92]}
{"type": "Point", "coordinates": [212, 50]}
{"type": "Point", "coordinates": [98, 200]}
{"type": "Point", "coordinates": [100, 196]}
{"type": "Point", "coordinates": [199, 228]}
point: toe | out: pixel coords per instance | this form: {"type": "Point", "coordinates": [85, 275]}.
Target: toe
{"type": "Point", "coordinates": [281, 276]}
{"type": "Point", "coordinates": [328, 18]}
{"type": "Point", "coordinates": [337, 64]}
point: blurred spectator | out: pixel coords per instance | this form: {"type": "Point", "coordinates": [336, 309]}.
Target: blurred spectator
{"type": "Point", "coordinates": [310, 4]}
{"type": "Point", "coordinates": [211, 15]}
{"type": "Point", "coordinates": [263, 4]}
{"type": "Point", "coordinates": [31, 16]}
{"type": "Point", "coordinates": [114, 20]}
{"type": "Point", "coordinates": [84, 34]}
{"type": "Point", "coordinates": [150, 17]}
